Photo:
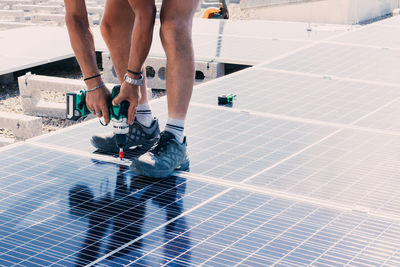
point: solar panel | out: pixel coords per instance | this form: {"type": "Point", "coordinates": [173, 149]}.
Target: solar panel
{"type": "Point", "coordinates": [297, 95]}
{"type": "Point", "coordinates": [212, 40]}
{"type": "Point", "coordinates": [56, 215]}
{"type": "Point", "coordinates": [384, 119]}
{"type": "Point", "coordinates": [394, 21]}
{"type": "Point", "coordinates": [52, 45]}
{"type": "Point", "coordinates": [232, 49]}
{"type": "Point", "coordinates": [82, 211]}
{"type": "Point", "coordinates": [230, 145]}
{"type": "Point", "coordinates": [384, 37]}
{"type": "Point", "coordinates": [351, 167]}
{"type": "Point", "coordinates": [300, 170]}
{"type": "Point", "coordinates": [245, 229]}
{"type": "Point", "coordinates": [278, 29]}
{"type": "Point", "coordinates": [364, 63]}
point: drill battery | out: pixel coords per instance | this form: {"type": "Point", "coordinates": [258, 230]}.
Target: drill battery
{"type": "Point", "coordinates": [76, 106]}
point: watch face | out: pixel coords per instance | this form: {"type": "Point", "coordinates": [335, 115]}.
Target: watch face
{"type": "Point", "coordinates": [133, 81]}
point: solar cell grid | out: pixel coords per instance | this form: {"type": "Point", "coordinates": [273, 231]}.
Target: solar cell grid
{"type": "Point", "coordinates": [299, 96]}
{"type": "Point", "coordinates": [384, 119]}
{"type": "Point", "coordinates": [227, 145]}
{"type": "Point", "coordinates": [383, 37]}
{"type": "Point", "coordinates": [57, 208]}
{"type": "Point", "coordinates": [272, 231]}
{"type": "Point", "coordinates": [267, 29]}
{"type": "Point", "coordinates": [352, 167]}
{"type": "Point", "coordinates": [47, 223]}
{"type": "Point", "coordinates": [369, 64]}
{"type": "Point", "coordinates": [261, 49]}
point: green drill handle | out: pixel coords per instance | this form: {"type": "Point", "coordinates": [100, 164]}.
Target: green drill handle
{"type": "Point", "coordinates": [76, 106]}
{"type": "Point", "coordinates": [120, 111]}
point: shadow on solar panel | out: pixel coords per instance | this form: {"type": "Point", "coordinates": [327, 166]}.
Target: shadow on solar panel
{"type": "Point", "coordinates": [116, 215]}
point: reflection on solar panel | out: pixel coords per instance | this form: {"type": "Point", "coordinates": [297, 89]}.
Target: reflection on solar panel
{"type": "Point", "coordinates": [302, 169]}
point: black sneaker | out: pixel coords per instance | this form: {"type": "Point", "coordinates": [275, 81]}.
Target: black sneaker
{"type": "Point", "coordinates": [166, 155]}
{"type": "Point", "coordinates": [138, 135]}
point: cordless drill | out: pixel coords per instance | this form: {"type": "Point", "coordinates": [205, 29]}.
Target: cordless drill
{"type": "Point", "coordinates": [76, 108]}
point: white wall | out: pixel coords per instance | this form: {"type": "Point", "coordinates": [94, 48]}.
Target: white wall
{"type": "Point", "coordinates": [325, 11]}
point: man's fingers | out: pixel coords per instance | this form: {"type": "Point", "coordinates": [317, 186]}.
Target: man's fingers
{"type": "Point", "coordinates": [106, 116]}
{"type": "Point", "coordinates": [131, 113]}
{"type": "Point", "coordinates": [89, 107]}
{"type": "Point", "coordinates": [116, 101]}
{"type": "Point", "coordinates": [97, 112]}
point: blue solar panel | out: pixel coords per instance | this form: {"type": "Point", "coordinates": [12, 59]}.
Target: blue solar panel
{"type": "Point", "coordinates": [384, 37]}
{"type": "Point", "coordinates": [298, 95]}
{"type": "Point", "coordinates": [363, 63]}
{"type": "Point", "coordinates": [227, 144]}
{"type": "Point", "coordinates": [241, 228]}
{"type": "Point", "coordinates": [351, 167]}
{"type": "Point", "coordinates": [69, 207]}
{"type": "Point", "coordinates": [288, 175]}
{"type": "Point", "coordinates": [76, 211]}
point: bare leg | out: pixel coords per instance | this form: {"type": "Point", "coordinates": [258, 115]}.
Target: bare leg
{"type": "Point", "coordinates": [116, 28]}
{"type": "Point", "coordinates": [176, 37]}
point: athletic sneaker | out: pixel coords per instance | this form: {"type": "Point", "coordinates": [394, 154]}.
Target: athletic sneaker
{"type": "Point", "coordinates": [138, 135]}
{"type": "Point", "coordinates": [166, 155]}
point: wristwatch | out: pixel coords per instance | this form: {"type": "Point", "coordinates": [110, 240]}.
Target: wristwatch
{"type": "Point", "coordinates": [132, 81]}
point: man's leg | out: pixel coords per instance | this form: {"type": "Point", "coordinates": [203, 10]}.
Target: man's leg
{"type": "Point", "coordinates": [176, 36]}
{"type": "Point", "coordinates": [170, 151]}
{"type": "Point", "coordinates": [116, 28]}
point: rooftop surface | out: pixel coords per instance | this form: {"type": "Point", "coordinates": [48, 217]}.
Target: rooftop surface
{"type": "Point", "coordinates": [303, 168]}
{"type": "Point", "coordinates": [214, 40]}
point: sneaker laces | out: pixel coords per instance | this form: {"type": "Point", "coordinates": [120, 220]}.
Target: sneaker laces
{"type": "Point", "coordinates": [162, 142]}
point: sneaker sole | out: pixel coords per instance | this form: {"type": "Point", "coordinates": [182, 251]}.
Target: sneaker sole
{"type": "Point", "coordinates": [160, 173]}
{"type": "Point", "coordinates": [146, 145]}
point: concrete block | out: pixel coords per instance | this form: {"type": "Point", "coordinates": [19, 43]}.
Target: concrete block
{"type": "Point", "coordinates": [12, 15]}
{"type": "Point", "coordinates": [14, 25]}
{"type": "Point", "coordinates": [12, 3]}
{"type": "Point", "coordinates": [95, 10]}
{"type": "Point", "coordinates": [22, 126]}
{"type": "Point", "coordinates": [40, 8]}
{"type": "Point", "coordinates": [58, 19]}
{"type": "Point", "coordinates": [155, 71]}
{"type": "Point", "coordinates": [30, 87]}
{"type": "Point", "coordinates": [55, 2]}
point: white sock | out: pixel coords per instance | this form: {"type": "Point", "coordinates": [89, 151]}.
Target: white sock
{"type": "Point", "coordinates": [176, 127]}
{"type": "Point", "coordinates": [143, 115]}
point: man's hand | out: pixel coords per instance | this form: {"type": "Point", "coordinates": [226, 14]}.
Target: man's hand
{"type": "Point", "coordinates": [129, 93]}
{"type": "Point", "coordinates": [97, 101]}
